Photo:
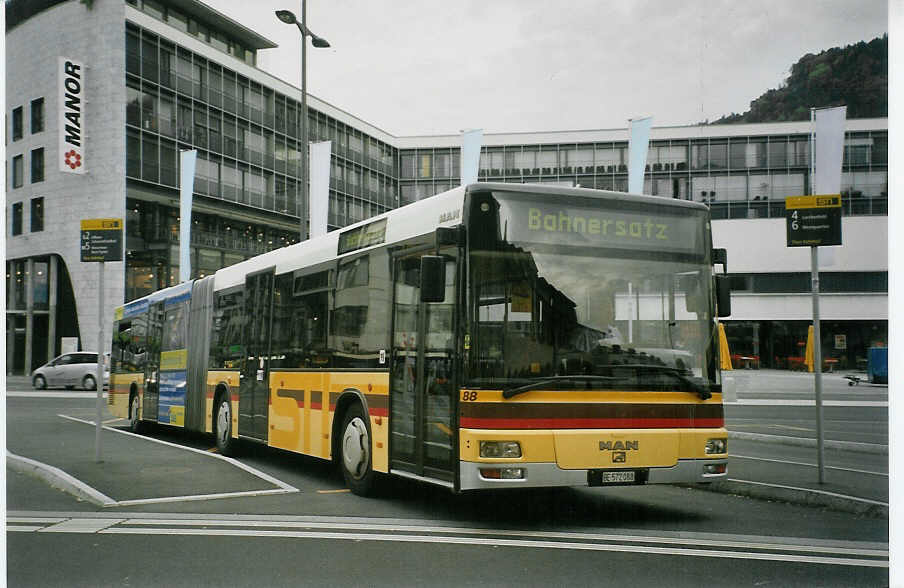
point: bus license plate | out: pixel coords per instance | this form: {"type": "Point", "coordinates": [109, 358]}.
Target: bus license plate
{"type": "Point", "coordinates": [607, 477]}
{"type": "Point", "coordinates": [617, 477]}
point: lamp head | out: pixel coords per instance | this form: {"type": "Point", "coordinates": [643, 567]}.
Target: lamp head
{"type": "Point", "coordinates": [286, 16]}
{"type": "Point", "coordinates": [319, 42]}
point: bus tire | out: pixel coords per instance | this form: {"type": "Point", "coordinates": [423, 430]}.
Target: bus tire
{"type": "Point", "coordinates": [222, 425]}
{"type": "Point", "coordinates": [356, 459]}
{"type": "Point", "coordinates": [135, 424]}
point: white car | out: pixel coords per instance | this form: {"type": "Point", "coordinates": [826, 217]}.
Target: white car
{"type": "Point", "coordinates": [70, 370]}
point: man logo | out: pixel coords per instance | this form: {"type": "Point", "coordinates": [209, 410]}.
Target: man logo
{"type": "Point", "coordinates": [619, 445]}
{"type": "Point", "coordinates": [619, 457]}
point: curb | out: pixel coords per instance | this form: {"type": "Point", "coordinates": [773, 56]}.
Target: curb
{"type": "Point", "coordinates": [805, 442]}
{"type": "Point", "coordinates": [801, 496]}
{"type": "Point", "coordinates": [58, 479]}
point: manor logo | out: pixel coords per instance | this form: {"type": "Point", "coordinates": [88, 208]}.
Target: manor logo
{"type": "Point", "coordinates": [72, 116]}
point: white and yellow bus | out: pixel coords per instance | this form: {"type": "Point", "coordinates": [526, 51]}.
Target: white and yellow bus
{"type": "Point", "coordinates": [493, 336]}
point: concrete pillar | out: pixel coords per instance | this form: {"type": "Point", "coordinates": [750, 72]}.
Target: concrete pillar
{"type": "Point", "coordinates": [11, 318]}
{"type": "Point", "coordinates": [53, 280]}
{"type": "Point", "coordinates": [29, 313]}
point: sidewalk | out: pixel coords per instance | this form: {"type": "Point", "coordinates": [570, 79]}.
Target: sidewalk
{"type": "Point", "coordinates": [168, 471]}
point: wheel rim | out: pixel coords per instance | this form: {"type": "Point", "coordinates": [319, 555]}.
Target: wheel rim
{"type": "Point", "coordinates": [223, 419]}
{"type": "Point", "coordinates": [133, 411]}
{"type": "Point", "coordinates": [40, 383]}
{"type": "Point", "coordinates": [356, 448]}
{"type": "Point", "coordinates": [90, 384]}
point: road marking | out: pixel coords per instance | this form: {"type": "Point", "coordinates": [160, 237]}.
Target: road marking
{"type": "Point", "coordinates": [789, 427]}
{"type": "Point", "coordinates": [710, 545]}
{"type": "Point", "coordinates": [60, 394]}
{"type": "Point", "coordinates": [801, 463]}
{"type": "Point", "coordinates": [340, 491]}
{"type": "Point", "coordinates": [81, 526]}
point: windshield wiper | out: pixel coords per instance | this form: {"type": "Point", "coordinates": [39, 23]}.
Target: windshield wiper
{"type": "Point", "coordinates": [693, 385]}
{"type": "Point", "coordinates": [555, 380]}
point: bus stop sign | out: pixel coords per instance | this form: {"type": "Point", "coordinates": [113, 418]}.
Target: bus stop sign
{"type": "Point", "coordinates": [101, 239]}
{"type": "Point", "coordinates": [812, 221]}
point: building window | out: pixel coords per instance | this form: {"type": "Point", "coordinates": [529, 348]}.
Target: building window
{"type": "Point", "coordinates": [17, 219]}
{"type": "Point", "coordinates": [17, 123]}
{"type": "Point", "coordinates": [37, 214]}
{"type": "Point", "coordinates": [18, 171]}
{"type": "Point", "coordinates": [37, 165]}
{"type": "Point", "coordinates": [37, 115]}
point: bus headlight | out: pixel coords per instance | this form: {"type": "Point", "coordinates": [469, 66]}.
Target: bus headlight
{"type": "Point", "coordinates": [716, 446]}
{"type": "Point", "coordinates": [495, 449]}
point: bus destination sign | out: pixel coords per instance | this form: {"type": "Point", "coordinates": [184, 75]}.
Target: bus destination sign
{"type": "Point", "coordinates": [101, 239]}
{"type": "Point", "coordinates": [812, 221]}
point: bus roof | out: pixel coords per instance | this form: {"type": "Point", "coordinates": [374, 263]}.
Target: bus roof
{"type": "Point", "coordinates": [415, 219]}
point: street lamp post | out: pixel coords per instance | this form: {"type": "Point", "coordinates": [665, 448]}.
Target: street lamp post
{"type": "Point", "coordinates": [319, 42]}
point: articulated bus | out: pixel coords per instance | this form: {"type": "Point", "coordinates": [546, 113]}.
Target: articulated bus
{"type": "Point", "coordinates": [492, 336]}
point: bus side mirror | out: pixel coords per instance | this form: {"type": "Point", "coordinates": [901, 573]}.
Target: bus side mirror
{"type": "Point", "coordinates": [433, 278]}
{"type": "Point", "coordinates": [723, 295]}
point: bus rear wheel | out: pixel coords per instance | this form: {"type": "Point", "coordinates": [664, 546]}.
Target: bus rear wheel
{"type": "Point", "coordinates": [134, 421]}
{"type": "Point", "coordinates": [223, 425]}
{"type": "Point", "coordinates": [355, 452]}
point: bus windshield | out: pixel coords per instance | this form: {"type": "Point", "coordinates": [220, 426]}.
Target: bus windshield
{"type": "Point", "coordinates": [564, 310]}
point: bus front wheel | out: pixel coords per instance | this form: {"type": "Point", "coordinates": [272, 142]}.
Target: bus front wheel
{"type": "Point", "coordinates": [356, 460]}
{"type": "Point", "coordinates": [223, 426]}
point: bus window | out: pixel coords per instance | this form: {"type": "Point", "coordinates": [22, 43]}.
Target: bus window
{"type": "Point", "coordinates": [359, 327]}
{"type": "Point", "coordinates": [300, 322]}
{"type": "Point", "coordinates": [175, 327]}
{"type": "Point", "coordinates": [228, 325]}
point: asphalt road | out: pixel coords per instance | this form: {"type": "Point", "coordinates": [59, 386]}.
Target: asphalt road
{"type": "Point", "coordinates": [410, 534]}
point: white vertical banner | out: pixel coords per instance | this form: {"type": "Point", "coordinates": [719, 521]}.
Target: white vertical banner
{"type": "Point", "coordinates": [828, 149]}
{"type": "Point", "coordinates": [319, 193]}
{"type": "Point", "coordinates": [188, 159]}
{"type": "Point", "coordinates": [71, 92]}
{"type": "Point", "coordinates": [471, 142]}
{"type": "Point", "coordinates": [638, 145]}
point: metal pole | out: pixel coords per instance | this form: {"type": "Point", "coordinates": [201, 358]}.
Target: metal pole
{"type": "Point", "coordinates": [817, 342]}
{"type": "Point", "coordinates": [100, 361]}
{"type": "Point", "coordinates": [304, 125]}
{"type": "Point", "coordinates": [817, 360]}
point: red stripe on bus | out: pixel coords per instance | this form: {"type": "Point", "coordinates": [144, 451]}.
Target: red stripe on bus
{"type": "Point", "coordinates": [380, 412]}
{"type": "Point", "coordinates": [587, 423]}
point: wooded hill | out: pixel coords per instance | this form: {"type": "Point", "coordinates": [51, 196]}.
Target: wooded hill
{"type": "Point", "coordinates": [855, 76]}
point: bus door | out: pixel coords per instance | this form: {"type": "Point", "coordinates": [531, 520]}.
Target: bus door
{"type": "Point", "coordinates": [422, 393]}
{"type": "Point", "coordinates": [254, 390]}
{"type": "Point", "coordinates": [151, 397]}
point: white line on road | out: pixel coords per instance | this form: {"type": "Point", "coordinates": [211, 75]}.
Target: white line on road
{"type": "Point", "coordinates": [813, 465]}
{"type": "Point", "coordinates": [848, 553]}
{"type": "Point", "coordinates": [531, 543]}
{"type": "Point", "coordinates": [51, 394]}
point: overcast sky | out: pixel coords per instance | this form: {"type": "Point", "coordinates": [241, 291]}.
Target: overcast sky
{"type": "Point", "coordinates": [424, 67]}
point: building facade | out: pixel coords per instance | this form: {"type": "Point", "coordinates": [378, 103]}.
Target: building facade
{"type": "Point", "coordinates": [162, 77]}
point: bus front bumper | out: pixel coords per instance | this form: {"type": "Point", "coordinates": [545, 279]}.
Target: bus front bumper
{"type": "Point", "coordinates": [477, 476]}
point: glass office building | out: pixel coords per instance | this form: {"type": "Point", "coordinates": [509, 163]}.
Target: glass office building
{"type": "Point", "coordinates": [173, 75]}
